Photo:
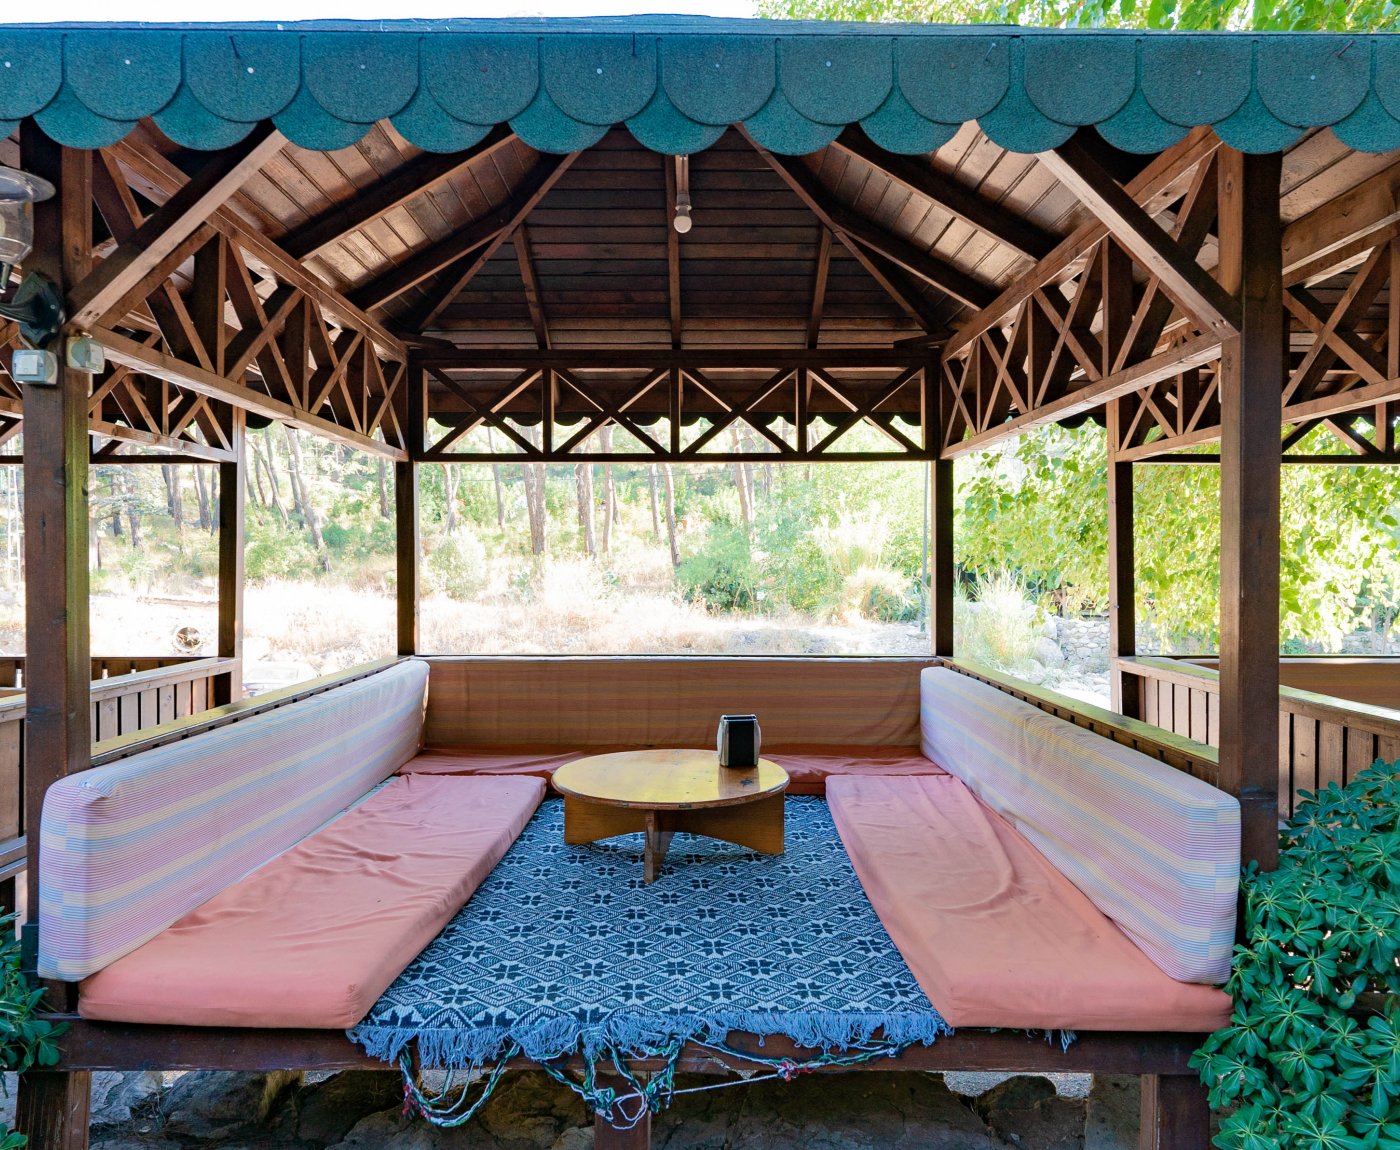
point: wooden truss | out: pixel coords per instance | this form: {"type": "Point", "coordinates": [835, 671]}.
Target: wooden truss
{"type": "Point", "coordinates": [1343, 379]}
{"type": "Point", "coordinates": [791, 406]}
{"type": "Point", "coordinates": [1120, 304]}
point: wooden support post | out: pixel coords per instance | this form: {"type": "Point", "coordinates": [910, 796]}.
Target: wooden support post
{"type": "Point", "coordinates": [1175, 1115]}
{"type": "Point", "coordinates": [1251, 373]}
{"type": "Point", "coordinates": [233, 483]}
{"type": "Point", "coordinates": [942, 567]}
{"type": "Point", "coordinates": [406, 549]}
{"type": "Point", "coordinates": [1122, 579]}
{"type": "Point", "coordinates": [609, 1137]}
{"type": "Point", "coordinates": [52, 1106]}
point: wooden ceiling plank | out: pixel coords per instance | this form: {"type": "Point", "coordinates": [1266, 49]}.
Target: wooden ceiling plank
{"type": "Point", "coordinates": [847, 223]}
{"type": "Point", "coordinates": [1005, 226]}
{"type": "Point", "coordinates": [530, 192]}
{"type": "Point", "coordinates": [478, 241]}
{"type": "Point", "coordinates": [170, 225]}
{"type": "Point", "coordinates": [1148, 243]}
{"type": "Point", "coordinates": [673, 251]}
{"type": "Point", "coordinates": [416, 178]}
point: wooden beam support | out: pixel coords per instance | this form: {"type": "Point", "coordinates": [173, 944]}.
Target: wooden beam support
{"type": "Point", "coordinates": [232, 542]}
{"type": "Point", "coordinates": [1159, 184]}
{"type": "Point", "coordinates": [415, 178]}
{"type": "Point", "coordinates": [1004, 226]}
{"type": "Point", "coordinates": [673, 249]}
{"type": "Point", "coordinates": [1122, 575]}
{"type": "Point", "coordinates": [90, 300]}
{"type": "Point", "coordinates": [1343, 230]}
{"type": "Point", "coordinates": [477, 241]}
{"type": "Point", "coordinates": [1194, 352]}
{"type": "Point", "coordinates": [149, 360]}
{"type": "Point", "coordinates": [943, 573]}
{"type": "Point", "coordinates": [406, 550]}
{"type": "Point", "coordinates": [1174, 1113]}
{"type": "Point", "coordinates": [1149, 244]}
{"type": "Point", "coordinates": [54, 1107]}
{"type": "Point", "coordinates": [1252, 366]}
{"type": "Point", "coordinates": [848, 224]}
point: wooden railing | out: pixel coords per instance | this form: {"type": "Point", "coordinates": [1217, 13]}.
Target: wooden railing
{"type": "Point", "coordinates": [128, 695]}
{"type": "Point", "coordinates": [1322, 738]}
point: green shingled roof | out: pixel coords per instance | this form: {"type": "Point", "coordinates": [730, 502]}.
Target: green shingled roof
{"type": "Point", "coordinates": [676, 82]}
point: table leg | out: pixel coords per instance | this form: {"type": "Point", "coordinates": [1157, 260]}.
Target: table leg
{"type": "Point", "coordinates": [757, 825]}
{"type": "Point", "coordinates": [659, 831]}
{"type": "Point", "coordinates": [586, 822]}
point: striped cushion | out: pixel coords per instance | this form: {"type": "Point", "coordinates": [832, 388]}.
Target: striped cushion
{"type": "Point", "coordinates": [127, 849]}
{"type": "Point", "coordinates": [587, 701]}
{"type": "Point", "coordinates": [1156, 850]}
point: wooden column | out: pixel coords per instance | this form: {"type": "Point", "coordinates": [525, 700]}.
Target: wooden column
{"type": "Point", "coordinates": [1174, 1114]}
{"type": "Point", "coordinates": [406, 550]}
{"type": "Point", "coordinates": [53, 1106]}
{"type": "Point", "coordinates": [942, 567]}
{"type": "Point", "coordinates": [1251, 374]}
{"type": "Point", "coordinates": [233, 486]}
{"type": "Point", "coordinates": [1122, 579]}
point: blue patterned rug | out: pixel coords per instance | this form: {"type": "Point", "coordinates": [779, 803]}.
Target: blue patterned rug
{"type": "Point", "coordinates": [564, 950]}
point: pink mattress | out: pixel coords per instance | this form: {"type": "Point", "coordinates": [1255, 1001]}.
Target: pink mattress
{"type": "Point", "coordinates": [314, 937]}
{"type": "Point", "coordinates": [993, 933]}
{"type": "Point", "coordinates": [809, 765]}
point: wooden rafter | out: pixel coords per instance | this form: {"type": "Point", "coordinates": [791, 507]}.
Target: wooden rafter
{"type": "Point", "coordinates": [1148, 243]}
{"type": "Point", "coordinates": [476, 243]}
{"type": "Point", "coordinates": [140, 256]}
{"type": "Point", "coordinates": [818, 297]}
{"type": "Point", "coordinates": [983, 214]}
{"type": "Point", "coordinates": [1342, 231]}
{"type": "Point", "coordinates": [415, 178]}
{"type": "Point", "coordinates": [848, 225]}
{"type": "Point", "coordinates": [525, 259]}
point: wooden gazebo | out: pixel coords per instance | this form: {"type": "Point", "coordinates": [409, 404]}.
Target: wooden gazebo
{"type": "Point", "coordinates": [398, 236]}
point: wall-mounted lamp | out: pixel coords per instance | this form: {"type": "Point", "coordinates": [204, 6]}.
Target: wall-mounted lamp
{"type": "Point", "coordinates": [682, 221]}
{"type": "Point", "coordinates": [36, 305]}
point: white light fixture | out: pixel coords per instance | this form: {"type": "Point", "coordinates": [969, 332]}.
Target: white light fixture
{"type": "Point", "coordinates": [681, 221]}
{"type": "Point", "coordinates": [19, 191]}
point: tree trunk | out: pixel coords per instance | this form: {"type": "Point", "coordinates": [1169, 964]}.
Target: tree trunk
{"type": "Point", "coordinates": [113, 494]}
{"type": "Point", "coordinates": [262, 466]}
{"type": "Point", "coordinates": [173, 501]}
{"type": "Point", "coordinates": [655, 502]}
{"type": "Point", "coordinates": [449, 487]}
{"type": "Point", "coordinates": [609, 490]}
{"type": "Point", "coordinates": [201, 491]}
{"type": "Point", "coordinates": [583, 483]}
{"type": "Point", "coordinates": [744, 482]}
{"type": "Point", "coordinates": [386, 510]}
{"type": "Point", "coordinates": [303, 496]}
{"type": "Point", "coordinates": [133, 513]}
{"type": "Point", "coordinates": [671, 538]}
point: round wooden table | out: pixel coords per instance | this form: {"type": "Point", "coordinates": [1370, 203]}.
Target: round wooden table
{"type": "Point", "coordinates": [662, 792]}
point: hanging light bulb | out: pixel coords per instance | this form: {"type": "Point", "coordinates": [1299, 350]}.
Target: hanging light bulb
{"type": "Point", "coordinates": [18, 193]}
{"type": "Point", "coordinates": [683, 222]}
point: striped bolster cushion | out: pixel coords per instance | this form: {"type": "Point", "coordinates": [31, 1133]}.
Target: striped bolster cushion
{"type": "Point", "coordinates": [127, 849]}
{"type": "Point", "coordinates": [1155, 849]}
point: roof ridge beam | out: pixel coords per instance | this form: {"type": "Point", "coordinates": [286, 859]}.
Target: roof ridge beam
{"type": "Point", "coordinates": [420, 175]}
{"type": "Point", "coordinates": [170, 225]}
{"type": "Point", "coordinates": [987, 216]}
{"type": "Point", "coordinates": [1156, 186]}
{"type": "Point", "coordinates": [848, 224]}
{"type": "Point", "coordinates": [1144, 239]}
{"type": "Point", "coordinates": [488, 232]}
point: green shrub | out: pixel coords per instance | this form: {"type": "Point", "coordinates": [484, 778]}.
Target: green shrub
{"type": "Point", "coordinates": [1311, 1057]}
{"type": "Point", "coordinates": [722, 574]}
{"type": "Point", "coordinates": [998, 627]}
{"type": "Point", "coordinates": [457, 566]}
{"type": "Point", "coordinates": [880, 594]}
